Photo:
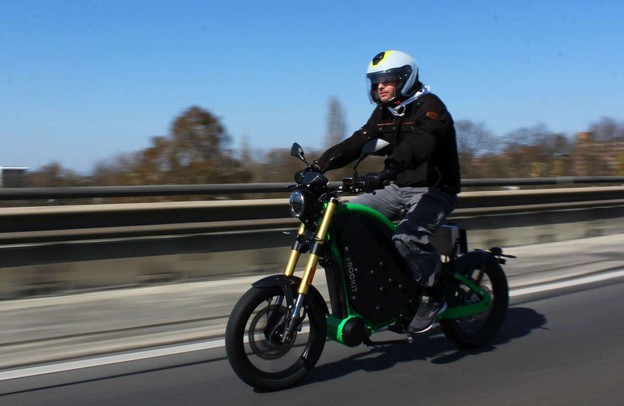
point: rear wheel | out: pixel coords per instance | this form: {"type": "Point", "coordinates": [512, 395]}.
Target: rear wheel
{"type": "Point", "coordinates": [479, 329]}
{"type": "Point", "coordinates": [253, 339]}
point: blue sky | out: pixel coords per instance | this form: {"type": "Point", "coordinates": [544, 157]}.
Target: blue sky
{"type": "Point", "coordinates": [82, 81]}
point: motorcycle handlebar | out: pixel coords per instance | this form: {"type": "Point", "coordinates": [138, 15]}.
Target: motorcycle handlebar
{"type": "Point", "coordinates": [353, 185]}
{"type": "Point", "coordinates": [357, 185]}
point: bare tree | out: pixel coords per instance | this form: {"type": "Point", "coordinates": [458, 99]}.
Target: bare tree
{"type": "Point", "coordinates": [599, 151]}
{"type": "Point", "coordinates": [537, 152]}
{"type": "Point", "coordinates": [474, 141]}
{"type": "Point", "coordinates": [53, 175]}
{"type": "Point", "coordinates": [118, 170]}
{"type": "Point", "coordinates": [336, 128]}
{"type": "Point", "coordinates": [607, 129]}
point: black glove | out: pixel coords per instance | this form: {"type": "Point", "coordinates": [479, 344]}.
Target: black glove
{"type": "Point", "coordinates": [301, 173]}
{"type": "Point", "coordinates": [378, 180]}
{"type": "Point", "coordinates": [373, 181]}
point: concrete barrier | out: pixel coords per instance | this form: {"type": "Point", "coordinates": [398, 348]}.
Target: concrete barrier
{"type": "Point", "coordinates": [219, 245]}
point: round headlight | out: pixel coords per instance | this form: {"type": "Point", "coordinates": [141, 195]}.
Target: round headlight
{"type": "Point", "coordinates": [297, 204]}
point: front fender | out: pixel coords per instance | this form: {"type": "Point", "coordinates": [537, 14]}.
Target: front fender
{"type": "Point", "coordinates": [289, 285]}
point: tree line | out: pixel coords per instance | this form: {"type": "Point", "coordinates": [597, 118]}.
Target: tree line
{"type": "Point", "coordinates": [198, 150]}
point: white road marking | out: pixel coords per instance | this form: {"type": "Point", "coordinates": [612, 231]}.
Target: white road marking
{"type": "Point", "coordinates": [219, 343]}
{"type": "Point", "coordinates": [567, 284]}
{"type": "Point", "coordinates": [109, 359]}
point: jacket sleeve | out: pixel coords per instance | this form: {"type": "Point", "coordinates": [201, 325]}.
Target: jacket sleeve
{"type": "Point", "coordinates": [344, 152]}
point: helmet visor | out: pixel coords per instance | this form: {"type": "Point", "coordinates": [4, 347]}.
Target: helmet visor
{"type": "Point", "coordinates": [390, 75]}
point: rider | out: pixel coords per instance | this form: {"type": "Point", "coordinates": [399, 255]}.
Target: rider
{"type": "Point", "coordinates": [422, 164]}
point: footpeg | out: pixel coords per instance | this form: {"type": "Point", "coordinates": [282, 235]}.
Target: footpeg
{"type": "Point", "coordinates": [400, 327]}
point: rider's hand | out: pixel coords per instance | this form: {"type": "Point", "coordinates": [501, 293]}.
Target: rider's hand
{"type": "Point", "coordinates": [301, 173]}
{"type": "Point", "coordinates": [378, 180]}
{"type": "Point", "coordinates": [373, 181]}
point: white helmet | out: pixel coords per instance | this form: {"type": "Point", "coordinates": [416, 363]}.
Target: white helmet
{"type": "Point", "coordinates": [393, 66]}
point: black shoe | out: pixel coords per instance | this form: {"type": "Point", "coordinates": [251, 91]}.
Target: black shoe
{"type": "Point", "coordinates": [426, 314]}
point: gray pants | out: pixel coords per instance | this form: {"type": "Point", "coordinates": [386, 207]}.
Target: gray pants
{"type": "Point", "coordinates": [421, 211]}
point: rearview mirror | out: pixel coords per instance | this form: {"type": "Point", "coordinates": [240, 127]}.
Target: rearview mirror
{"type": "Point", "coordinates": [297, 151]}
{"type": "Point", "coordinates": [375, 147]}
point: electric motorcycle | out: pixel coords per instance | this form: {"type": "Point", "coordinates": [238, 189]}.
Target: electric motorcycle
{"type": "Point", "coordinates": [277, 330]}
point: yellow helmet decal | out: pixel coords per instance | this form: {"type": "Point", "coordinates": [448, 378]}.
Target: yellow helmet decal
{"type": "Point", "coordinates": [379, 58]}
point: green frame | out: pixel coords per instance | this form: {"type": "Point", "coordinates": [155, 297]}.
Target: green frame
{"type": "Point", "coordinates": [336, 325]}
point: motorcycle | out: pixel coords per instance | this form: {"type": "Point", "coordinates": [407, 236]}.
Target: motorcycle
{"type": "Point", "coordinates": [277, 330]}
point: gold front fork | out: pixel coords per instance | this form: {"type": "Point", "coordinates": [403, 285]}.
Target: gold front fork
{"type": "Point", "coordinates": [294, 254]}
{"type": "Point", "coordinates": [315, 250]}
{"type": "Point", "coordinates": [296, 315]}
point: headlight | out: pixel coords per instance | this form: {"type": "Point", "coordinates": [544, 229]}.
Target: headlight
{"type": "Point", "coordinates": [302, 204]}
{"type": "Point", "coordinates": [297, 204]}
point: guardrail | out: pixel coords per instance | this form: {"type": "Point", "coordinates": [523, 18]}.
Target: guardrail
{"type": "Point", "coordinates": [79, 222]}
{"type": "Point", "coordinates": [242, 188]}
{"type": "Point", "coordinates": [20, 225]}
{"type": "Point", "coordinates": [73, 247]}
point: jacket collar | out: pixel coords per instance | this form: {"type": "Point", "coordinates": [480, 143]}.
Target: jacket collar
{"type": "Point", "coordinates": [399, 110]}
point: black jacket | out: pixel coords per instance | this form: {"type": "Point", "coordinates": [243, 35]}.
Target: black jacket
{"type": "Point", "coordinates": [423, 146]}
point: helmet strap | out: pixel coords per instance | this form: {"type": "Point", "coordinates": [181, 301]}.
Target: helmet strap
{"type": "Point", "coordinates": [398, 109]}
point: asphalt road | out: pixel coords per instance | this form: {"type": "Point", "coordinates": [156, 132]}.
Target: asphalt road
{"type": "Point", "coordinates": [562, 344]}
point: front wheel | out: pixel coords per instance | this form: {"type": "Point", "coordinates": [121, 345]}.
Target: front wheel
{"type": "Point", "coordinates": [253, 339]}
{"type": "Point", "coordinates": [477, 330]}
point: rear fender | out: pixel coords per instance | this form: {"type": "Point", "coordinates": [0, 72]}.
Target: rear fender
{"type": "Point", "coordinates": [465, 263]}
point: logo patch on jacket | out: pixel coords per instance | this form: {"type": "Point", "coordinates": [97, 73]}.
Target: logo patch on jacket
{"type": "Point", "coordinates": [433, 115]}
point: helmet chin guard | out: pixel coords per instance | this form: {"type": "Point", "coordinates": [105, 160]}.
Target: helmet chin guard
{"type": "Point", "coordinates": [392, 66]}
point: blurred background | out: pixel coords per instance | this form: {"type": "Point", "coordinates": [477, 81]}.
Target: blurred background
{"type": "Point", "coordinates": [142, 92]}
{"type": "Point", "coordinates": [132, 133]}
